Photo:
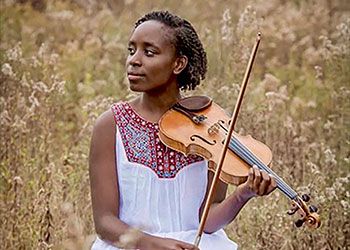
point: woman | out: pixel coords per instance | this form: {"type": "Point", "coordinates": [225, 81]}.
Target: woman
{"type": "Point", "coordinates": [136, 181]}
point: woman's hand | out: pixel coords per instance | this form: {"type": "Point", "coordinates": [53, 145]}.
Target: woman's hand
{"type": "Point", "coordinates": [149, 242]}
{"type": "Point", "coordinates": [259, 183]}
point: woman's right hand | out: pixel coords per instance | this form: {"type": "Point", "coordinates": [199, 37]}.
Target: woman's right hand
{"type": "Point", "coordinates": [149, 242]}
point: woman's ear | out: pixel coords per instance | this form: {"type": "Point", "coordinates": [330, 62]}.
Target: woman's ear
{"type": "Point", "coordinates": [180, 64]}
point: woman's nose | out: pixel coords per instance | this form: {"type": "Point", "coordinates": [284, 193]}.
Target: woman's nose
{"type": "Point", "coordinates": [135, 59]}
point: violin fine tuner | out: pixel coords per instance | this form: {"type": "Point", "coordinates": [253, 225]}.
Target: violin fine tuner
{"type": "Point", "coordinates": [213, 129]}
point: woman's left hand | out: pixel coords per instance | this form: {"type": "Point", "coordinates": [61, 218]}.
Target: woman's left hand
{"type": "Point", "coordinates": [259, 183]}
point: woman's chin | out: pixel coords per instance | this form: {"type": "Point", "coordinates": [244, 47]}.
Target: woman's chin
{"type": "Point", "coordinates": [135, 87]}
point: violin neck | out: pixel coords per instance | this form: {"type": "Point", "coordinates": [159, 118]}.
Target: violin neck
{"type": "Point", "coordinates": [246, 155]}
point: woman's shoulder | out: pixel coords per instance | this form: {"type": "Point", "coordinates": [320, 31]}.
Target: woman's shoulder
{"type": "Point", "coordinates": [105, 122]}
{"type": "Point", "coordinates": [110, 114]}
{"type": "Point", "coordinates": [102, 134]}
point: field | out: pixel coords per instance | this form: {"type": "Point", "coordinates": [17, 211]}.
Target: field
{"type": "Point", "coordinates": [62, 64]}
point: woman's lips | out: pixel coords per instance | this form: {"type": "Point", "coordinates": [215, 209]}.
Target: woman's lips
{"type": "Point", "coordinates": [134, 77]}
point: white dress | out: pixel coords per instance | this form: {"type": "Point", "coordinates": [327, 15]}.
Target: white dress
{"type": "Point", "coordinates": [161, 190]}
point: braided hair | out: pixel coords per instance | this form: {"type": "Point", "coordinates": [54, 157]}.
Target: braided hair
{"type": "Point", "coordinates": [187, 43]}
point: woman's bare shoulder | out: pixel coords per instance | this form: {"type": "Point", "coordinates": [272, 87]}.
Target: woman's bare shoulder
{"type": "Point", "coordinates": [105, 121]}
{"type": "Point", "coordinates": [102, 140]}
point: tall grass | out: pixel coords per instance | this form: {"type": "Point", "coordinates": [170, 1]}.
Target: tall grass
{"type": "Point", "coordinates": [62, 64]}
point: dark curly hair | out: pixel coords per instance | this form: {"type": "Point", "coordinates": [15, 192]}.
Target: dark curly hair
{"type": "Point", "coordinates": [187, 43]}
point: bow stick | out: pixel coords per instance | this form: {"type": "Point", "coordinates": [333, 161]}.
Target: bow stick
{"type": "Point", "coordinates": [224, 149]}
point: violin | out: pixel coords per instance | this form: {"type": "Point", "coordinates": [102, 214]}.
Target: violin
{"type": "Point", "coordinates": [198, 126]}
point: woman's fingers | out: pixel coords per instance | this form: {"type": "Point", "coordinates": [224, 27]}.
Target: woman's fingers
{"type": "Point", "coordinates": [257, 179]}
{"type": "Point", "coordinates": [272, 186]}
{"type": "Point", "coordinates": [188, 246]}
{"type": "Point", "coordinates": [263, 183]}
{"type": "Point", "coordinates": [250, 179]}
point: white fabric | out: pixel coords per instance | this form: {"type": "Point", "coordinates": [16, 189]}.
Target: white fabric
{"type": "Point", "coordinates": [163, 207]}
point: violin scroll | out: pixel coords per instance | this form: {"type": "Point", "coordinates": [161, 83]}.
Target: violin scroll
{"type": "Point", "coordinates": [308, 214]}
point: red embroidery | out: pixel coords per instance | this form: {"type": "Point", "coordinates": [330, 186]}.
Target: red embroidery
{"type": "Point", "coordinates": [142, 144]}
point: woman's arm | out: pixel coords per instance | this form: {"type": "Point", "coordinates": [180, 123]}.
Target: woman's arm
{"type": "Point", "coordinates": [223, 211]}
{"type": "Point", "coordinates": [103, 180]}
{"type": "Point", "coordinates": [105, 192]}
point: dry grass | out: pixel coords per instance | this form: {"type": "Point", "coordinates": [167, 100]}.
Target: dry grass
{"type": "Point", "coordinates": [62, 63]}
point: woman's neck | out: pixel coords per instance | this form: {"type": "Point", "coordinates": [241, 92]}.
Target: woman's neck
{"type": "Point", "coordinates": [152, 105]}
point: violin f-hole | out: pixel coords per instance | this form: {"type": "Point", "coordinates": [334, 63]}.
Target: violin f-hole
{"type": "Point", "coordinates": [193, 138]}
{"type": "Point", "coordinates": [222, 123]}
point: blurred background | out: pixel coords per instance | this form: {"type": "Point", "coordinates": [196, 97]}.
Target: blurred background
{"type": "Point", "coordinates": [62, 64]}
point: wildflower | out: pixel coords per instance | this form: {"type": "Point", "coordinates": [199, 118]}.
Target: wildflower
{"type": "Point", "coordinates": [270, 82]}
{"type": "Point", "coordinates": [6, 69]}
{"type": "Point", "coordinates": [307, 124]}
{"type": "Point", "coordinates": [314, 168]}
{"type": "Point", "coordinates": [247, 19]}
{"type": "Point", "coordinates": [347, 160]}
{"type": "Point", "coordinates": [40, 87]}
{"type": "Point", "coordinates": [311, 55]}
{"type": "Point", "coordinates": [226, 28]}
{"type": "Point", "coordinates": [18, 180]}
{"type": "Point", "coordinates": [42, 50]}
{"type": "Point", "coordinates": [345, 205]}
{"type": "Point", "coordinates": [311, 104]}
{"type": "Point", "coordinates": [288, 122]}
{"type": "Point", "coordinates": [5, 118]}
{"type": "Point", "coordinates": [15, 53]}
{"type": "Point", "coordinates": [33, 100]}
{"type": "Point", "coordinates": [20, 124]}
{"type": "Point", "coordinates": [328, 125]}
{"type": "Point", "coordinates": [281, 94]}
{"type": "Point", "coordinates": [297, 102]}
{"type": "Point", "coordinates": [62, 15]}
{"type": "Point", "coordinates": [343, 37]}
{"type": "Point", "coordinates": [35, 62]}
{"type": "Point", "coordinates": [24, 81]}
{"type": "Point", "coordinates": [321, 199]}
{"type": "Point", "coordinates": [2, 100]}
{"type": "Point", "coordinates": [319, 72]}
{"type": "Point", "coordinates": [330, 192]}
{"type": "Point", "coordinates": [59, 86]}
{"type": "Point", "coordinates": [53, 59]}
{"type": "Point", "coordinates": [326, 47]}
{"type": "Point", "coordinates": [330, 157]}
{"type": "Point", "coordinates": [67, 208]}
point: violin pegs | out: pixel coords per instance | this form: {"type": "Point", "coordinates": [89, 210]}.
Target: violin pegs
{"type": "Point", "coordinates": [313, 209]}
{"type": "Point", "coordinates": [299, 223]}
{"type": "Point", "coordinates": [293, 209]}
{"type": "Point", "coordinates": [305, 197]}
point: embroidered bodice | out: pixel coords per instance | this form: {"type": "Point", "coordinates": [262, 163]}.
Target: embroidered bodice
{"type": "Point", "coordinates": [142, 145]}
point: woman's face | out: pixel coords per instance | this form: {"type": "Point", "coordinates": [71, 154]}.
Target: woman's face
{"type": "Point", "coordinates": [152, 57]}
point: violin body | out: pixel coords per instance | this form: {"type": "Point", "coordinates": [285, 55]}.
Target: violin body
{"type": "Point", "coordinates": [206, 139]}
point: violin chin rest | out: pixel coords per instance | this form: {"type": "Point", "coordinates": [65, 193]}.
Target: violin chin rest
{"type": "Point", "coordinates": [195, 103]}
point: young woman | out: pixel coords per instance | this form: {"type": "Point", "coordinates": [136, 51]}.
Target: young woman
{"type": "Point", "coordinates": [138, 182]}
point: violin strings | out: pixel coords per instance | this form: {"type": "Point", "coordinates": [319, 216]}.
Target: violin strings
{"type": "Point", "coordinates": [255, 161]}
{"type": "Point", "coordinates": [237, 147]}
{"type": "Point", "coordinates": [242, 151]}
{"type": "Point", "coordinates": [283, 187]}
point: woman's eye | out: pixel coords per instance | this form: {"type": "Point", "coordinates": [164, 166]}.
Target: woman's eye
{"type": "Point", "coordinates": [149, 52]}
{"type": "Point", "coordinates": [131, 51]}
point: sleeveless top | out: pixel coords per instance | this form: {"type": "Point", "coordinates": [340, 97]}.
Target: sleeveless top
{"type": "Point", "coordinates": [160, 190]}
